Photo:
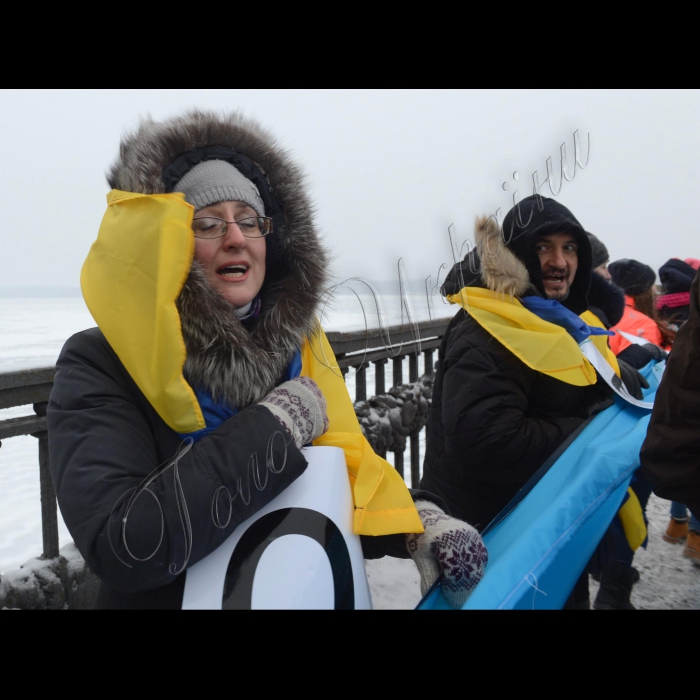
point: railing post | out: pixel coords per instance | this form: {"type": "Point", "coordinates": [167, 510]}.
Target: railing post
{"type": "Point", "coordinates": [379, 381]}
{"type": "Point", "coordinates": [398, 371]}
{"type": "Point", "coordinates": [413, 438]}
{"type": "Point", "coordinates": [428, 369]}
{"type": "Point", "coordinates": [343, 370]}
{"type": "Point", "coordinates": [361, 383]}
{"type": "Point", "coordinates": [398, 462]}
{"type": "Point", "coordinates": [428, 359]}
{"type": "Point", "coordinates": [49, 509]}
{"type": "Point", "coordinates": [413, 367]}
{"type": "Point", "coordinates": [398, 380]}
{"type": "Point", "coordinates": [379, 388]}
{"type": "Point", "coordinates": [415, 459]}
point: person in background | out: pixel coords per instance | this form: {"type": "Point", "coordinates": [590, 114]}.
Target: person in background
{"type": "Point", "coordinates": [673, 306]}
{"type": "Point", "coordinates": [637, 281]}
{"type": "Point", "coordinates": [684, 527]}
{"type": "Point", "coordinates": [601, 258]}
{"type": "Point", "coordinates": [670, 455]}
{"type": "Point", "coordinates": [605, 299]}
{"type": "Point", "coordinates": [611, 564]}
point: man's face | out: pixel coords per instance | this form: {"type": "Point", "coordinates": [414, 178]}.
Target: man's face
{"type": "Point", "coordinates": [558, 253]}
{"type": "Point", "coordinates": [603, 271]}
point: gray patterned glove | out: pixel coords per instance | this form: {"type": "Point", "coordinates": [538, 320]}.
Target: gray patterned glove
{"type": "Point", "coordinates": [448, 546]}
{"type": "Point", "coordinates": [300, 407]}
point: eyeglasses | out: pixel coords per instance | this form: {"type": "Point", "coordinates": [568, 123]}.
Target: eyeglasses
{"type": "Point", "coordinates": [251, 227]}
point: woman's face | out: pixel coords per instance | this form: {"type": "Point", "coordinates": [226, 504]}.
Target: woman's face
{"type": "Point", "coordinates": [233, 264]}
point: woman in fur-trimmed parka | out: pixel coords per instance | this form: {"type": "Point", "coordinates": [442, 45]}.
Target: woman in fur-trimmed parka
{"type": "Point", "coordinates": [208, 372]}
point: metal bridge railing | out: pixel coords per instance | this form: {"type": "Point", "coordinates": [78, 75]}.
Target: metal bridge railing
{"type": "Point", "coordinates": [362, 350]}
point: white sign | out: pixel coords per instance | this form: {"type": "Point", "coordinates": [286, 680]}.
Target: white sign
{"type": "Point", "coordinates": [298, 552]}
{"type": "Point", "coordinates": [634, 339]}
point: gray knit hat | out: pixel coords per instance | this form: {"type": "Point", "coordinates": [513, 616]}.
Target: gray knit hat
{"type": "Point", "coordinates": [599, 252]}
{"type": "Point", "coordinates": [215, 181]}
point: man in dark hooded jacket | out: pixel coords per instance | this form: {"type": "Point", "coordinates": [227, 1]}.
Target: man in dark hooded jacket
{"type": "Point", "coordinates": [494, 419]}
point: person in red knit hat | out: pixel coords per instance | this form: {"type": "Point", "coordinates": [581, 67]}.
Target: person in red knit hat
{"type": "Point", "coordinates": [673, 304]}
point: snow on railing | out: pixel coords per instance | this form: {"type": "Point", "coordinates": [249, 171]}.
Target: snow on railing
{"type": "Point", "coordinates": [388, 418]}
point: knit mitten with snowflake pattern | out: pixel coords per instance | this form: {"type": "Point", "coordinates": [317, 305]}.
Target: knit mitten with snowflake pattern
{"type": "Point", "coordinates": [299, 405]}
{"type": "Point", "coordinates": [449, 547]}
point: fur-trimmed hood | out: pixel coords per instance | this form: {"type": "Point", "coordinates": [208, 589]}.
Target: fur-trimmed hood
{"type": "Point", "coordinates": [489, 264]}
{"type": "Point", "coordinates": [505, 260]}
{"type": "Point", "coordinates": [235, 364]}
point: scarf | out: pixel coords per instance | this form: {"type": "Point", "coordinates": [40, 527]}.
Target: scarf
{"type": "Point", "coordinates": [552, 311]}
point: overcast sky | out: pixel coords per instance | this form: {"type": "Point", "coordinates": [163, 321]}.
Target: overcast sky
{"type": "Point", "coordinates": [389, 171]}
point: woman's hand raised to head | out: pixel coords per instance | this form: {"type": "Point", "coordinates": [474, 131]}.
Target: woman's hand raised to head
{"type": "Point", "coordinates": [300, 407]}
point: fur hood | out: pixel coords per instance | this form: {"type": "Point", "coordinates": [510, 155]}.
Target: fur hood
{"type": "Point", "coordinates": [505, 260]}
{"type": "Point", "coordinates": [235, 364]}
{"type": "Point", "coordinates": [490, 264]}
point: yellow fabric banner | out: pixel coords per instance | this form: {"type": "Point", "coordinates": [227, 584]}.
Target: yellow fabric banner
{"type": "Point", "coordinates": [542, 346]}
{"type": "Point", "coordinates": [632, 519]}
{"type": "Point", "coordinates": [601, 341]}
{"type": "Point", "coordinates": [383, 505]}
{"type": "Point", "coordinates": [131, 278]}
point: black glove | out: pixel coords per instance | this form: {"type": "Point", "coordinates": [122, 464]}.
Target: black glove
{"type": "Point", "coordinates": [632, 380]}
{"type": "Point", "coordinates": [655, 351]}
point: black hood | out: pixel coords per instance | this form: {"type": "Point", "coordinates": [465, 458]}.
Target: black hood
{"type": "Point", "coordinates": [506, 261]}
{"type": "Point", "coordinates": [466, 273]}
{"type": "Point", "coordinates": [552, 217]}
{"type": "Point", "coordinates": [606, 300]}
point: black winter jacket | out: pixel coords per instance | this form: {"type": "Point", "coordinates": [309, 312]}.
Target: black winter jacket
{"type": "Point", "coordinates": [494, 421]}
{"type": "Point", "coordinates": [106, 439]}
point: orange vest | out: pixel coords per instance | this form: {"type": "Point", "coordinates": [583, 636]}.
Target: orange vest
{"type": "Point", "coordinates": [635, 323]}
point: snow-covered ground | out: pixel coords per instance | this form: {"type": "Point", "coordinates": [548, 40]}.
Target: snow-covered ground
{"type": "Point", "coordinates": [32, 332]}
{"type": "Point", "coordinates": [668, 580]}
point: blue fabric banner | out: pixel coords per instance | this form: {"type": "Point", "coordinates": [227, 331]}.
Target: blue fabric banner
{"type": "Point", "coordinates": [538, 551]}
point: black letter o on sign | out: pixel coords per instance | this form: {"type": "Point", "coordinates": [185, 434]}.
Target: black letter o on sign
{"type": "Point", "coordinates": [238, 585]}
